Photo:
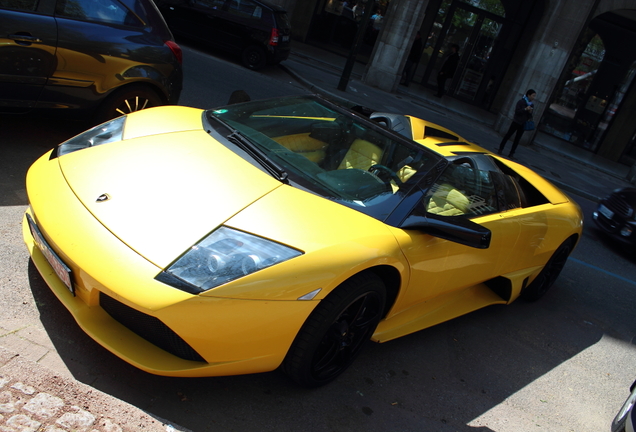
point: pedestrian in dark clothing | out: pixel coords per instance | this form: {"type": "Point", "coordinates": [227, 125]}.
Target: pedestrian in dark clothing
{"type": "Point", "coordinates": [523, 113]}
{"type": "Point", "coordinates": [447, 70]}
{"type": "Point", "coordinates": [412, 60]}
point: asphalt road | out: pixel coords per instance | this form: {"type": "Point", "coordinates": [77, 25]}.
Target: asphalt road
{"type": "Point", "coordinates": [561, 364]}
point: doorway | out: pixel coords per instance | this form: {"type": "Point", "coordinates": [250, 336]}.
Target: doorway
{"type": "Point", "coordinates": [477, 31]}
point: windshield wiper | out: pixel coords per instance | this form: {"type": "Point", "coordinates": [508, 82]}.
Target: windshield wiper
{"type": "Point", "coordinates": [256, 153]}
{"type": "Point", "coordinates": [272, 167]}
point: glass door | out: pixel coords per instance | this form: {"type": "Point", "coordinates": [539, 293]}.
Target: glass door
{"type": "Point", "coordinates": [476, 30]}
{"type": "Point", "coordinates": [476, 56]}
{"type": "Point", "coordinates": [456, 30]}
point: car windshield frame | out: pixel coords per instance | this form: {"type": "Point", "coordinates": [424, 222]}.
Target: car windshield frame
{"type": "Point", "coordinates": [326, 149]}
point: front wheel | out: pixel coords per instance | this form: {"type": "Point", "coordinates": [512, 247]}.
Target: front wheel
{"type": "Point", "coordinates": [336, 331]}
{"type": "Point", "coordinates": [128, 100]}
{"type": "Point", "coordinates": [549, 273]}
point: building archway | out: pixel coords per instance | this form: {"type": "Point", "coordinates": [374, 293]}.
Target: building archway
{"type": "Point", "coordinates": [594, 88]}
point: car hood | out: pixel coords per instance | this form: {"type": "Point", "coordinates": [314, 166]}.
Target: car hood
{"type": "Point", "coordinates": [160, 194]}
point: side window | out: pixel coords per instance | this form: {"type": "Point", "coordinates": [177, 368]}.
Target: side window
{"type": "Point", "coordinates": [103, 11]}
{"type": "Point", "coordinates": [245, 9]}
{"type": "Point", "coordinates": [21, 5]}
{"type": "Point", "coordinates": [463, 190]}
{"type": "Point", "coordinates": [509, 193]}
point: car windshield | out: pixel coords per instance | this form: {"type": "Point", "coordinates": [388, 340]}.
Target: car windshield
{"type": "Point", "coordinates": [330, 151]}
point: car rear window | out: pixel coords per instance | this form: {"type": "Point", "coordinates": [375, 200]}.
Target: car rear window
{"type": "Point", "coordinates": [105, 11]}
{"type": "Point", "coordinates": [282, 22]}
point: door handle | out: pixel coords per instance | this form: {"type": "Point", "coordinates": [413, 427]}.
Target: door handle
{"type": "Point", "coordinates": [23, 39]}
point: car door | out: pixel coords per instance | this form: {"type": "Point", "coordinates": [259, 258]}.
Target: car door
{"type": "Point", "coordinates": [28, 41]}
{"type": "Point", "coordinates": [471, 187]}
{"type": "Point", "coordinates": [101, 44]}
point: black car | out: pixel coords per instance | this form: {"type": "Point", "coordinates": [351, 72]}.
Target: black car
{"type": "Point", "coordinates": [625, 419]}
{"type": "Point", "coordinates": [256, 30]}
{"type": "Point", "coordinates": [100, 58]}
{"type": "Point", "coordinates": [616, 215]}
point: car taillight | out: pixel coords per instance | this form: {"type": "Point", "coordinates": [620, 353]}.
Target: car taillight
{"type": "Point", "coordinates": [273, 40]}
{"type": "Point", "coordinates": [176, 50]}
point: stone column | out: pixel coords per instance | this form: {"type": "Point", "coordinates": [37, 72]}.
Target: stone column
{"type": "Point", "coordinates": [403, 19]}
{"type": "Point", "coordinates": [539, 66]}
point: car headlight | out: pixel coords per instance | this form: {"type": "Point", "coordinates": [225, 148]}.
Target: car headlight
{"type": "Point", "coordinates": [110, 131]}
{"type": "Point", "coordinates": [223, 256]}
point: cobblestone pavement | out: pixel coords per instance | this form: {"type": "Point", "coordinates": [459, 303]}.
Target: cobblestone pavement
{"type": "Point", "coordinates": [34, 399]}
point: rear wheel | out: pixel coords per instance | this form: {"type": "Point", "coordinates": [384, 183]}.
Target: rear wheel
{"type": "Point", "coordinates": [128, 100]}
{"type": "Point", "coordinates": [336, 331]}
{"type": "Point", "coordinates": [254, 57]}
{"type": "Point", "coordinates": [549, 274]}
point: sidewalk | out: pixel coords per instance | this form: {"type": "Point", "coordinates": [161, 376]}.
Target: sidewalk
{"type": "Point", "coordinates": [572, 169]}
{"type": "Point", "coordinates": [34, 399]}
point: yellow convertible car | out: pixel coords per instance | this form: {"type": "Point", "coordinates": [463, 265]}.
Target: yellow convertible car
{"type": "Point", "coordinates": [283, 233]}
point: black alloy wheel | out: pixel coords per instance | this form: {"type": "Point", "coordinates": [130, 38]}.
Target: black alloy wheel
{"type": "Point", "coordinates": [549, 273]}
{"type": "Point", "coordinates": [336, 331]}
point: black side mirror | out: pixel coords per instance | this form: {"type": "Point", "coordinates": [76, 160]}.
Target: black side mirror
{"type": "Point", "coordinates": [453, 228]}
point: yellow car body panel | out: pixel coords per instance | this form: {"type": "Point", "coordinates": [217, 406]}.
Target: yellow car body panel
{"type": "Point", "coordinates": [353, 242]}
{"type": "Point", "coordinates": [167, 119]}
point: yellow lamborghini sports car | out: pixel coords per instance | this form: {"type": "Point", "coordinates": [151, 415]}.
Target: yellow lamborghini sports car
{"type": "Point", "coordinates": [283, 233]}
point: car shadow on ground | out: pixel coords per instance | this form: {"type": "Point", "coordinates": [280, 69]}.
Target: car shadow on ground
{"type": "Point", "coordinates": [439, 379]}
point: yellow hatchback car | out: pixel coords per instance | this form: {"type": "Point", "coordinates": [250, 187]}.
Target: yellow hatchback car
{"type": "Point", "coordinates": [283, 233]}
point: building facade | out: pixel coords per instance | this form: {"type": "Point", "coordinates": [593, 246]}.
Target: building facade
{"type": "Point", "coordinates": [580, 57]}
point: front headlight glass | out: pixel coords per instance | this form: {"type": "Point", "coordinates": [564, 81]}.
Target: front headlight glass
{"type": "Point", "coordinates": [108, 132]}
{"type": "Point", "coordinates": [225, 255]}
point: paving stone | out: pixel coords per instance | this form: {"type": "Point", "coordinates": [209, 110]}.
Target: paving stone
{"type": "Point", "coordinates": [27, 349]}
{"type": "Point", "coordinates": [35, 399]}
{"type": "Point", "coordinates": [44, 405]}
{"type": "Point", "coordinates": [77, 418]}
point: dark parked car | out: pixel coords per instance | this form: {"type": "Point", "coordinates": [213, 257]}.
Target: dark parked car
{"type": "Point", "coordinates": [616, 216]}
{"type": "Point", "coordinates": [100, 58]}
{"type": "Point", "coordinates": [258, 31]}
{"type": "Point", "coordinates": [626, 417]}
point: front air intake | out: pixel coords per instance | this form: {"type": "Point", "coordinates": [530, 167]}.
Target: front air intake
{"type": "Point", "coordinates": [149, 328]}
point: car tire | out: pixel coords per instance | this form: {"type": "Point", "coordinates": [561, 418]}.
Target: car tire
{"type": "Point", "coordinates": [549, 274]}
{"type": "Point", "coordinates": [336, 331]}
{"type": "Point", "coordinates": [128, 100]}
{"type": "Point", "coordinates": [254, 57]}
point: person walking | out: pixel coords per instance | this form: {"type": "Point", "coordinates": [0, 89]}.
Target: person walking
{"type": "Point", "coordinates": [447, 70]}
{"type": "Point", "coordinates": [523, 113]}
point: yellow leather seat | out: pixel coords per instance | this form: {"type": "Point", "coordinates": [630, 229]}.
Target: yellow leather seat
{"type": "Point", "coordinates": [448, 201]}
{"type": "Point", "coordinates": [361, 155]}
{"type": "Point", "coordinates": [303, 144]}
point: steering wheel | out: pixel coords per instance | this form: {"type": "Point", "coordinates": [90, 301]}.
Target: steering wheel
{"type": "Point", "coordinates": [382, 172]}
